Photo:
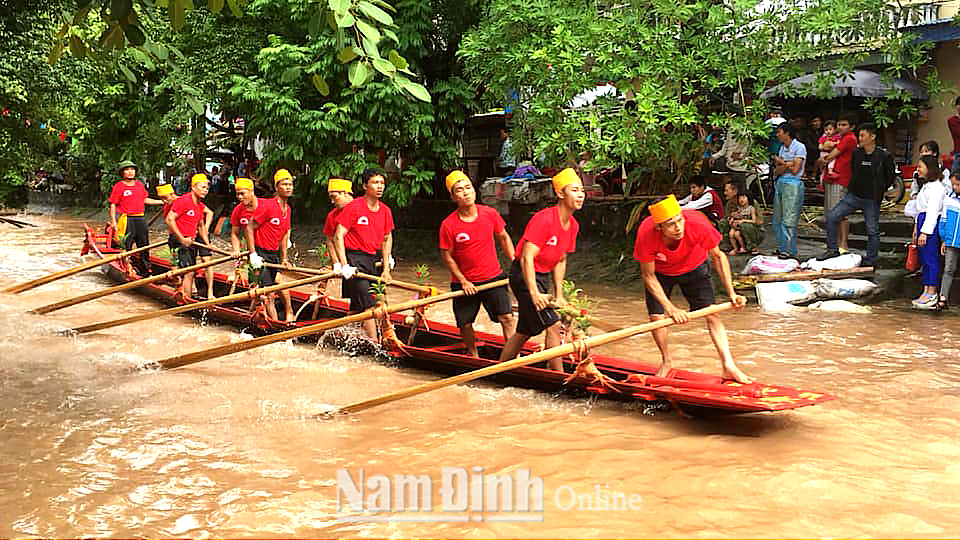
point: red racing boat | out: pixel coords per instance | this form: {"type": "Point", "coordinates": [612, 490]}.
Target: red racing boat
{"type": "Point", "coordinates": [436, 346]}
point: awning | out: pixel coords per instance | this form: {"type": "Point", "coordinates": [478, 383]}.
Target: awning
{"type": "Point", "coordinates": [859, 83]}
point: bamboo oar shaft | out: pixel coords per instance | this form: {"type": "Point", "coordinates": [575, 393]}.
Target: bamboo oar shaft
{"type": "Point", "coordinates": [147, 280]}
{"type": "Point", "coordinates": [249, 294]}
{"type": "Point", "coordinates": [547, 354]}
{"type": "Point", "coordinates": [399, 284]}
{"type": "Point", "coordinates": [77, 269]}
{"type": "Point", "coordinates": [199, 356]}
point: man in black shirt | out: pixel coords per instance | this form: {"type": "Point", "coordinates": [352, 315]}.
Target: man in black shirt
{"type": "Point", "coordinates": [872, 173]}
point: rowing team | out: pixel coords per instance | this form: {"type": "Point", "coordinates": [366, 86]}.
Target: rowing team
{"type": "Point", "coordinates": [672, 247]}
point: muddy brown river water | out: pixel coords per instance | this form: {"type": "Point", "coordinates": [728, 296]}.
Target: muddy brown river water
{"type": "Point", "coordinates": [93, 446]}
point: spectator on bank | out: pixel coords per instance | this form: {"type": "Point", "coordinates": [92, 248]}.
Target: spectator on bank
{"type": "Point", "coordinates": [837, 179]}
{"type": "Point", "coordinates": [817, 125]}
{"type": "Point", "coordinates": [704, 198]}
{"type": "Point", "coordinates": [926, 233]}
{"type": "Point", "coordinates": [807, 137]}
{"type": "Point", "coordinates": [954, 124]}
{"type": "Point", "coordinates": [788, 191]}
{"type": "Point", "coordinates": [734, 152]}
{"type": "Point", "coordinates": [950, 236]}
{"type": "Point", "coordinates": [746, 227]}
{"type": "Point", "coordinates": [731, 189]}
{"type": "Point", "coordinates": [930, 148]}
{"type": "Point", "coordinates": [872, 173]}
{"type": "Point", "coordinates": [507, 161]}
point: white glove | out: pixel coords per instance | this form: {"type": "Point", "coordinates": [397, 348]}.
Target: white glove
{"type": "Point", "coordinates": [289, 243]}
{"type": "Point", "coordinates": [256, 260]}
{"type": "Point", "coordinates": [338, 268]}
{"type": "Point", "coordinates": [393, 262]}
{"type": "Point", "coordinates": [348, 271]}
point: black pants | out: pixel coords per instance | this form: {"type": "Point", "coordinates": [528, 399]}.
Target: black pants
{"type": "Point", "coordinates": [530, 321]}
{"type": "Point", "coordinates": [358, 289]}
{"type": "Point", "coordinates": [696, 286]}
{"type": "Point", "coordinates": [138, 234]}
{"type": "Point", "coordinates": [268, 275]}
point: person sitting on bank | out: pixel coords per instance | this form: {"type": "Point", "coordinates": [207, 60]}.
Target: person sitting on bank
{"type": "Point", "coordinates": [746, 227]}
{"type": "Point", "coordinates": [704, 198]}
{"type": "Point", "coordinates": [731, 191]}
{"type": "Point", "coordinates": [467, 247]}
{"type": "Point", "coordinates": [672, 247]}
{"type": "Point", "coordinates": [541, 254]}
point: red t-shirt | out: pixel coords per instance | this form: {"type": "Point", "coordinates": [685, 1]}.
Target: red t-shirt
{"type": "Point", "coordinates": [330, 225]}
{"type": "Point", "coordinates": [953, 123]}
{"type": "Point", "coordinates": [129, 199]}
{"type": "Point", "coordinates": [240, 217]}
{"type": "Point", "coordinates": [270, 223]}
{"type": "Point", "coordinates": [699, 236]}
{"type": "Point", "coordinates": [471, 244]}
{"type": "Point", "coordinates": [544, 230]}
{"type": "Point", "coordinates": [365, 228]}
{"type": "Point", "coordinates": [189, 214]}
{"type": "Point", "coordinates": [842, 171]}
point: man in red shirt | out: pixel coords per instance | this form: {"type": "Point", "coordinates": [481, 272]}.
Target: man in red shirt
{"type": "Point", "coordinates": [240, 216]}
{"type": "Point", "coordinates": [188, 217]}
{"type": "Point", "coordinates": [167, 196]}
{"type": "Point", "coordinates": [672, 247]}
{"type": "Point", "coordinates": [364, 226]}
{"type": "Point", "coordinates": [269, 232]}
{"type": "Point", "coordinates": [953, 123]}
{"type": "Point", "coordinates": [541, 254]}
{"type": "Point", "coordinates": [340, 192]}
{"type": "Point", "coordinates": [835, 185]}
{"type": "Point", "coordinates": [130, 195]}
{"type": "Point", "coordinates": [467, 248]}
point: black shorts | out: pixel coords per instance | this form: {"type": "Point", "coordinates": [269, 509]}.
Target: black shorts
{"type": "Point", "coordinates": [358, 289]}
{"type": "Point", "coordinates": [531, 322]}
{"type": "Point", "coordinates": [186, 255]}
{"type": "Point", "coordinates": [496, 302]}
{"type": "Point", "coordinates": [268, 275]}
{"type": "Point", "coordinates": [202, 251]}
{"type": "Point", "coordinates": [696, 286]}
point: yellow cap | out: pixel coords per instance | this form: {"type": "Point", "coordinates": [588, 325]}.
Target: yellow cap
{"type": "Point", "coordinates": [164, 189]}
{"type": "Point", "coordinates": [282, 174]}
{"type": "Point", "coordinates": [339, 184]}
{"type": "Point", "coordinates": [197, 178]}
{"type": "Point", "coordinates": [243, 183]}
{"type": "Point", "coordinates": [565, 178]}
{"type": "Point", "coordinates": [665, 209]}
{"type": "Point", "coordinates": [455, 177]}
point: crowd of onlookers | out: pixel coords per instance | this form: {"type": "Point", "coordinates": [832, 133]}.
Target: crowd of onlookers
{"type": "Point", "coordinates": [854, 172]}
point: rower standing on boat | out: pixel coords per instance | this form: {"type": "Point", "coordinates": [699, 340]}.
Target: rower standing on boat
{"type": "Point", "coordinates": [269, 228]}
{"type": "Point", "coordinates": [540, 255]}
{"type": "Point", "coordinates": [130, 195]}
{"type": "Point", "coordinates": [184, 221]}
{"type": "Point", "coordinates": [363, 227]}
{"type": "Point", "coordinates": [340, 192]}
{"type": "Point", "coordinates": [167, 196]}
{"type": "Point", "coordinates": [467, 247]}
{"type": "Point", "coordinates": [240, 217]}
{"type": "Point", "coordinates": [673, 246]}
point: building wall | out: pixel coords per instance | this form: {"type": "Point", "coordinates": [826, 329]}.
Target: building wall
{"type": "Point", "coordinates": [947, 58]}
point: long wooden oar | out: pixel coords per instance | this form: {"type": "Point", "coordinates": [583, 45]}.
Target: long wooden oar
{"type": "Point", "coordinates": [98, 294]}
{"type": "Point", "coordinates": [199, 356]}
{"type": "Point", "coordinates": [395, 283]}
{"type": "Point", "coordinates": [249, 294]}
{"type": "Point", "coordinates": [547, 354]}
{"type": "Point", "coordinates": [77, 269]}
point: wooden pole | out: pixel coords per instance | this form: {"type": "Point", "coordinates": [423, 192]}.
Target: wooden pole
{"type": "Point", "coordinates": [547, 354]}
{"type": "Point", "coordinates": [98, 294]}
{"type": "Point", "coordinates": [77, 269]}
{"type": "Point", "coordinates": [249, 294]}
{"type": "Point", "coordinates": [199, 356]}
{"type": "Point", "coordinates": [395, 283]}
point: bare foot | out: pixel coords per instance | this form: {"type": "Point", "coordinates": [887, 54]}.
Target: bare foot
{"type": "Point", "coordinates": [664, 370]}
{"type": "Point", "coordinates": [290, 317]}
{"type": "Point", "coordinates": [741, 250]}
{"type": "Point", "coordinates": [732, 372]}
{"type": "Point", "coordinates": [732, 252]}
{"type": "Point", "coordinates": [473, 353]}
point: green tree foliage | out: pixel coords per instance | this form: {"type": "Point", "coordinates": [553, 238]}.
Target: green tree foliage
{"type": "Point", "coordinates": [327, 116]}
{"type": "Point", "coordinates": [674, 66]}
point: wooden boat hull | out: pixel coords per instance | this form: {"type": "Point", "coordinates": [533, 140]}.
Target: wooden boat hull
{"type": "Point", "coordinates": [437, 347]}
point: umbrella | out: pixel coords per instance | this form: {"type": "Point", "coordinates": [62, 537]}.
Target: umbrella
{"type": "Point", "coordinates": [858, 83]}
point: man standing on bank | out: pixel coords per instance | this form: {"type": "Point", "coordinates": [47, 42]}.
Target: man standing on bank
{"type": "Point", "coordinates": [467, 248]}
{"type": "Point", "coordinates": [269, 232]}
{"type": "Point", "coordinates": [541, 255]}
{"type": "Point", "coordinates": [673, 246]}
{"type": "Point", "coordinates": [130, 195]}
{"type": "Point", "coordinates": [872, 173]}
{"type": "Point", "coordinates": [364, 227]}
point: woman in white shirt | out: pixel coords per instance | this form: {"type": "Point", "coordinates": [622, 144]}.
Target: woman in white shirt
{"type": "Point", "coordinates": [926, 234]}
